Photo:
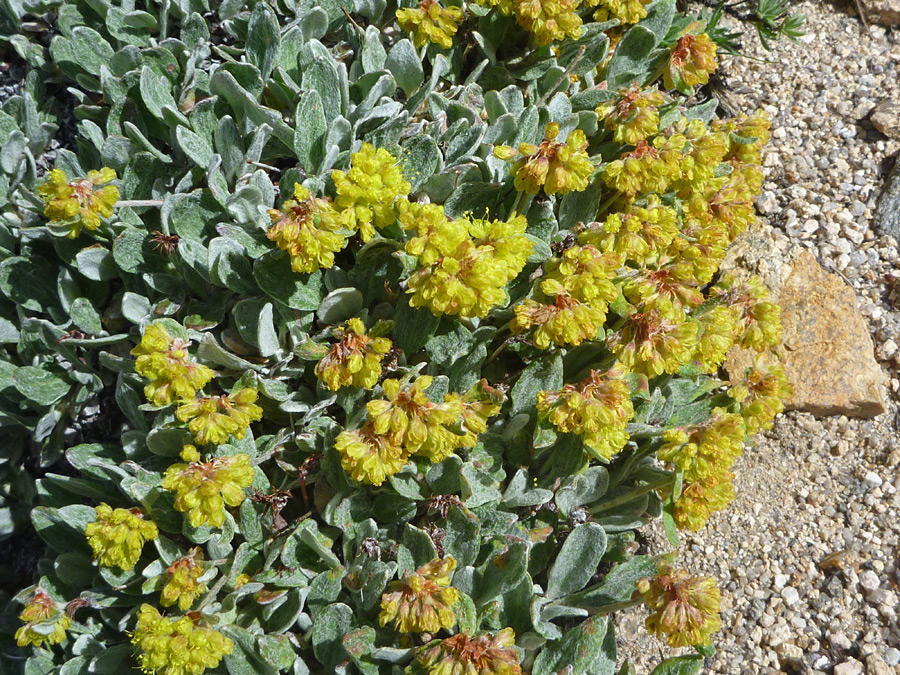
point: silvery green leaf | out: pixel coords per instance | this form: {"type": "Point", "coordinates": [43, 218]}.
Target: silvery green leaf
{"type": "Point", "coordinates": [577, 560]}
{"type": "Point", "coordinates": [263, 39]}
{"type": "Point", "coordinates": [309, 134]}
{"type": "Point", "coordinates": [404, 64]}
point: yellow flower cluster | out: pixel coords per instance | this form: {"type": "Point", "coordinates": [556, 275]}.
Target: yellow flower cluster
{"type": "Point", "coordinates": [182, 585]}
{"type": "Point", "coordinates": [355, 360]}
{"type": "Point", "coordinates": [717, 333]}
{"type": "Point", "coordinates": [463, 265]}
{"type": "Point", "coordinates": [705, 453]}
{"type": "Point", "coordinates": [431, 22]}
{"type": "Point", "coordinates": [464, 654]}
{"type": "Point", "coordinates": [308, 229]}
{"type": "Point", "coordinates": [642, 230]}
{"type": "Point", "coordinates": [546, 20]}
{"type": "Point", "coordinates": [212, 419]}
{"type": "Point", "coordinates": [80, 203]}
{"type": "Point", "coordinates": [598, 409]}
{"type": "Point", "coordinates": [117, 536]}
{"type": "Point", "coordinates": [626, 11]}
{"type": "Point", "coordinates": [366, 194]}
{"type": "Point", "coordinates": [758, 319]}
{"type": "Point", "coordinates": [176, 646]}
{"type": "Point", "coordinates": [407, 423]}
{"type": "Point", "coordinates": [423, 601]}
{"type": "Point", "coordinates": [651, 343]}
{"type": "Point", "coordinates": [684, 608]}
{"type": "Point", "coordinates": [164, 360]}
{"type": "Point", "coordinates": [579, 285]}
{"type": "Point", "coordinates": [690, 63]}
{"type": "Point", "coordinates": [555, 167]}
{"type": "Point", "coordinates": [650, 167]}
{"type": "Point", "coordinates": [633, 116]}
{"type": "Point", "coordinates": [44, 622]}
{"type": "Point", "coordinates": [204, 488]}
{"type": "Point", "coordinates": [671, 289]}
{"type": "Point", "coordinates": [761, 391]}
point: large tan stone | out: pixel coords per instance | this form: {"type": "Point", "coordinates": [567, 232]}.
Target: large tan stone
{"type": "Point", "coordinates": [882, 12]}
{"type": "Point", "coordinates": [826, 348]}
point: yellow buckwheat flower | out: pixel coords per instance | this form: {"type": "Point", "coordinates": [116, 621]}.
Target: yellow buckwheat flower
{"type": "Point", "coordinates": [465, 264]}
{"type": "Point", "coordinates": [176, 646]}
{"type": "Point", "coordinates": [626, 11]}
{"type": "Point", "coordinates": [633, 116]}
{"type": "Point", "coordinates": [355, 360]}
{"type": "Point", "coordinates": [212, 419]}
{"type": "Point", "coordinates": [556, 167]}
{"type": "Point", "coordinates": [423, 601]}
{"type": "Point", "coordinates": [671, 289]}
{"type": "Point", "coordinates": [652, 344]}
{"type": "Point", "coordinates": [691, 62]}
{"type": "Point", "coordinates": [117, 536]}
{"type": "Point", "coordinates": [701, 497]}
{"type": "Point", "coordinates": [80, 203]}
{"type": "Point", "coordinates": [431, 23]}
{"type": "Point", "coordinates": [548, 20]}
{"type": "Point", "coordinates": [583, 272]}
{"type": "Point", "coordinates": [648, 168]}
{"type": "Point", "coordinates": [307, 228]}
{"type": "Point", "coordinates": [636, 232]}
{"type": "Point", "coordinates": [164, 360]}
{"type": "Point", "coordinates": [598, 409]}
{"type": "Point", "coordinates": [366, 194]}
{"type": "Point", "coordinates": [204, 488]}
{"type": "Point", "coordinates": [369, 457]}
{"type": "Point", "coordinates": [44, 622]}
{"type": "Point", "coordinates": [478, 405]}
{"type": "Point", "coordinates": [564, 322]}
{"type": "Point", "coordinates": [464, 654]}
{"type": "Point", "coordinates": [183, 586]}
{"type": "Point", "coordinates": [705, 449]}
{"type": "Point", "coordinates": [717, 331]}
{"type": "Point", "coordinates": [758, 319]}
{"type": "Point", "coordinates": [761, 391]}
{"type": "Point", "coordinates": [684, 608]}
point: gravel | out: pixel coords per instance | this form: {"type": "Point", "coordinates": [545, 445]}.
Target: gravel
{"type": "Point", "coordinates": [807, 555]}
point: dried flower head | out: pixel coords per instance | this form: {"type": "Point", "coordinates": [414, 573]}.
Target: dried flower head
{"type": "Point", "coordinates": [691, 62]}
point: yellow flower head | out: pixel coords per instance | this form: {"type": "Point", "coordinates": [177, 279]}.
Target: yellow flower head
{"type": "Point", "coordinates": [204, 488]}
{"type": "Point", "coordinates": [548, 20]}
{"type": "Point", "coordinates": [212, 419]}
{"type": "Point", "coordinates": [701, 497]}
{"type": "Point", "coordinates": [758, 319]}
{"type": "Point", "coordinates": [717, 330]}
{"type": "Point", "coordinates": [598, 409]}
{"type": "Point", "coordinates": [705, 449]}
{"type": "Point", "coordinates": [118, 535]}
{"type": "Point", "coordinates": [651, 344]}
{"type": "Point", "coordinates": [671, 289]}
{"type": "Point", "coordinates": [761, 392]}
{"type": "Point", "coordinates": [44, 622]}
{"type": "Point", "coordinates": [756, 126]}
{"type": "Point", "coordinates": [691, 62]}
{"type": "Point", "coordinates": [556, 167]}
{"type": "Point", "coordinates": [464, 264]}
{"type": "Point", "coordinates": [683, 607]}
{"type": "Point", "coordinates": [478, 405]}
{"type": "Point", "coordinates": [164, 360]}
{"type": "Point", "coordinates": [626, 11]}
{"type": "Point", "coordinates": [505, 6]}
{"type": "Point", "coordinates": [355, 360]}
{"type": "Point", "coordinates": [633, 116]}
{"type": "Point", "coordinates": [648, 168]}
{"type": "Point", "coordinates": [176, 646]}
{"type": "Point", "coordinates": [431, 22]}
{"type": "Point", "coordinates": [636, 232]}
{"type": "Point", "coordinates": [307, 228]}
{"type": "Point", "coordinates": [365, 195]}
{"type": "Point", "coordinates": [584, 273]}
{"type": "Point", "coordinates": [182, 585]}
{"type": "Point", "coordinates": [423, 601]}
{"type": "Point", "coordinates": [464, 654]}
{"type": "Point", "coordinates": [564, 322]}
{"type": "Point", "coordinates": [80, 203]}
{"type": "Point", "coordinates": [369, 457]}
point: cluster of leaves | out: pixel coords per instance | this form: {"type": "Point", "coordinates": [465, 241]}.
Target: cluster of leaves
{"type": "Point", "coordinates": [368, 353]}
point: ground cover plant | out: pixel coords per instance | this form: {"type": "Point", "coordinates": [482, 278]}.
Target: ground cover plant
{"type": "Point", "coordinates": [364, 338]}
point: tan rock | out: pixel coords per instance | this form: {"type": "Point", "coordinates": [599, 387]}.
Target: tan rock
{"type": "Point", "coordinates": [826, 349]}
{"type": "Point", "coordinates": [882, 12]}
{"type": "Point", "coordinates": [886, 118]}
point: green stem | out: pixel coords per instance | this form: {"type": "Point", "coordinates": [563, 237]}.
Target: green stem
{"type": "Point", "coordinates": [139, 202]}
{"type": "Point", "coordinates": [605, 205]}
{"type": "Point", "coordinates": [523, 201]}
{"type": "Point", "coordinates": [629, 496]}
{"type": "Point", "coordinates": [209, 597]}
